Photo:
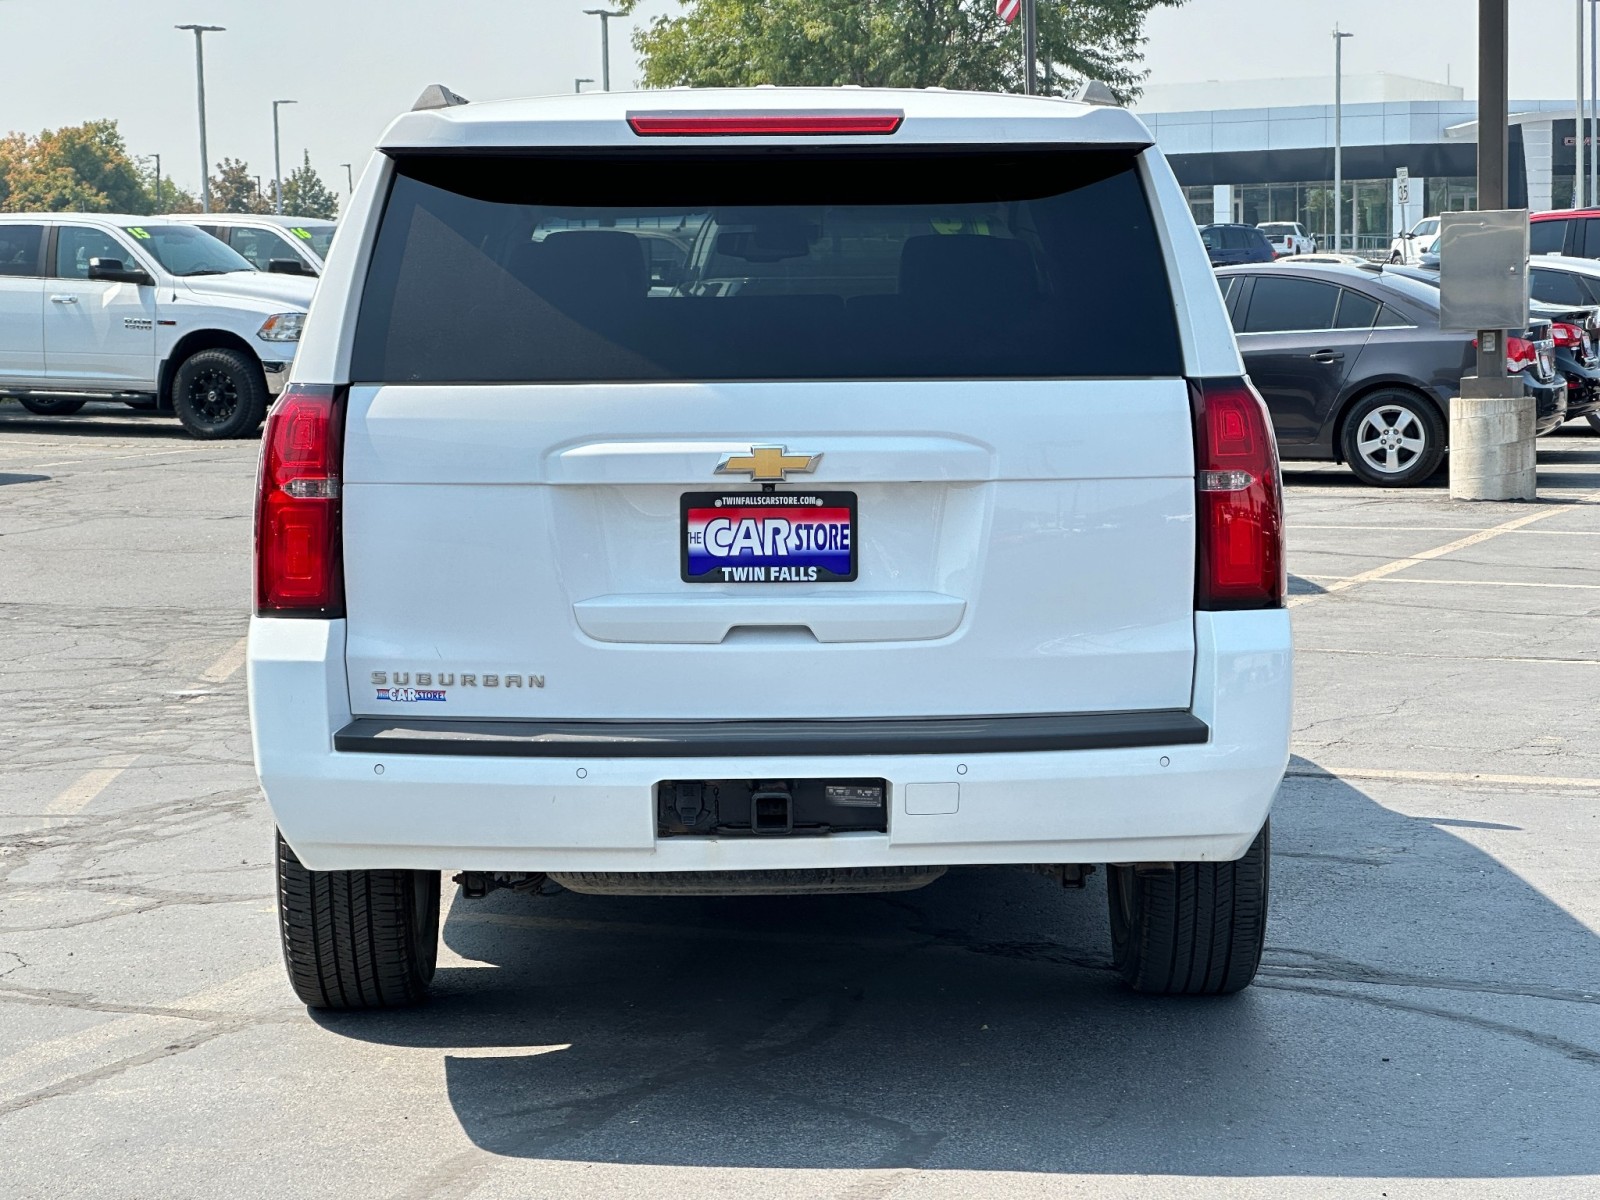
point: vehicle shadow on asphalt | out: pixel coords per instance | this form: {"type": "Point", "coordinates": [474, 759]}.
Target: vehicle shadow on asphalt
{"type": "Point", "coordinates": [1423, 1012]}
{"type": "Point", "coordinates": [95, 421]}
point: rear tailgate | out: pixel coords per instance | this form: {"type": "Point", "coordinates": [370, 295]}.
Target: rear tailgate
{"type": "Point", "coordinates": [969, 360]}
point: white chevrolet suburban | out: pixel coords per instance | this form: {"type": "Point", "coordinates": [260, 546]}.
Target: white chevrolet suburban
{"type": "Point", "coordinates": [767, 491]}
{"type": "Point", "coordinates": [95, 306]}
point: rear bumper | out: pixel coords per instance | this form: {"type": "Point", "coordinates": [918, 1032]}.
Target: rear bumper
{"type": "Point", "coordinates": [585, 808]}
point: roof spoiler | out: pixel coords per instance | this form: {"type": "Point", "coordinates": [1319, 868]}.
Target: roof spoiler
{"type": "Point", "coordinates": [436, 95]}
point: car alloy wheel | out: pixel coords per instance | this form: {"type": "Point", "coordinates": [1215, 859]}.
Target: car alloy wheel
{"type": "Point", "coordinates": [1390, 438]}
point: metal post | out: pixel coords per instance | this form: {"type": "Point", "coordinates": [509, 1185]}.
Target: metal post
{"type": "Point", "coordinates": [577, 84]}
{"type": "Point", "coordinates": [277, 161]}
{"type": "Point", "coordinates": [1594, 101]}
{"type": "Point", "coordinates": [349, 180]}
{"type": "Point", "coordinates": [1580, 112]}
{"type": "Point", "coordinates": [200, 84]}
{"type": "Point", "coordinates": [1338, 137]}
{"type": "Point", "coordinates": [1030, 47]}
{"type": "Point", "coordinates": [157, 157]}
{"type": "Point", "coordinates": [605, 15]}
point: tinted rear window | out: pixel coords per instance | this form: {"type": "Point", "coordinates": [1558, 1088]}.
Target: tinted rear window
{"type": "Point", "coordinates": [520, 268]}
{"type": "Point", "coordinates": [1546, 237]}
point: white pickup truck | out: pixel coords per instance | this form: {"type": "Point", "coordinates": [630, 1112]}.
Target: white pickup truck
{"type": "Point", "coordinates": [909, 510]}
{"type": "Point", "coordinates": [95, 306]}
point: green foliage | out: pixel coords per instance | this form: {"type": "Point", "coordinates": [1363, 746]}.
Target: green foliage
{"type": "Point", "coordinates": [893, 43]}
{"type": "Point", "coordinates": [79, 168]}
{"type": "Point", "coordinates": [305, 195]}
{"type": "Point", "coordinates": [234, 190]}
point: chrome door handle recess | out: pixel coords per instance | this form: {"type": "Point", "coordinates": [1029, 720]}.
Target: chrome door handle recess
{"type": "Point", "coordinates": [64, 299]}
{"type": "Point", "coordinates": [1327, 356]}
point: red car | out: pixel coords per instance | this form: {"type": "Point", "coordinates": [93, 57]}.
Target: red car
{"type": "Point", "coordinates": [1572, 231]}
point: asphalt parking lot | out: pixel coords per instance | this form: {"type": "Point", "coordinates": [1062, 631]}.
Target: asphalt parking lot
{"type": "Point", "coordinates": [1427, 1024]}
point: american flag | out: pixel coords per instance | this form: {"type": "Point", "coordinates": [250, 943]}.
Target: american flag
{"type": "Point", "coordinates": [1007, 10]}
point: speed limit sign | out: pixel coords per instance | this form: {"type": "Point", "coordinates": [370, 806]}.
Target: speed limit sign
{"type": "Point", "coordinates": [1402, 192]}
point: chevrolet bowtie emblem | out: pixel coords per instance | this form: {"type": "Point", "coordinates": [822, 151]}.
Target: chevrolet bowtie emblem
{"type": "Point", "coordinates": [768, 464]}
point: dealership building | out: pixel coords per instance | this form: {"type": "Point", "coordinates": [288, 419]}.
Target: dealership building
{"type": "Point", "coordinates": [1262, 150]}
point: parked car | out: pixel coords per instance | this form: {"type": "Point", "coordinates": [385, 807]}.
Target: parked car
{"type": "Point", "coordinates": [644, 589]}
{"type": "Point", "coordinates": [1227, 245]}
{"type": "Point", "coordinates": [1324, 256]}
{"type": "Point", "coordinates": [1287, 237]}
{"type": "Point", "coordinates": [1354, 367]}
{"type": "Point", "coordinates": [145, 310]}
{"type": "Point", "coordinates": [1411, 245]}
{"type": "Point", "coordinates": [1572, 283]}
{"type": "Point", "coordinates": [1572, 232]}
{"type": "Point", "coordinates": [284, 245]}
{"type": "Point", "coordinates": [1573, 329]}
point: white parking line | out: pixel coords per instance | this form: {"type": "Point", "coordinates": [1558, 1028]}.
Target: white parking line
{"type": "Point", "coordinates": [232, 659]}
{"type": "Point", "coordinates": [1295, 526]}
{"type": "Point", "coordinates": [1466, 583]}
{"type": "Point", "coordinates": [1522, 658]}
{"type": "Point", "coordinates": [1455, 778]}
{"type": "Point", "coordinates": [82, 790]}
{"type": "Point", "coordinates": [1401, 564]}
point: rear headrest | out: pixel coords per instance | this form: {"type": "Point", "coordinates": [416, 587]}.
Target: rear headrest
{"type": "Point", "coordinates": [599, 263]}
{"type": "Point", "coordinates": [968, 265]}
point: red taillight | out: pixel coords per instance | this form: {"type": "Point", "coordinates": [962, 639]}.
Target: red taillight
{"type": "Point", "coordinates": [1566, 335]}
{"type": "Point", "coordinates": [1239, 498]}
{"type": "Point", "coordinates": [1520, 354]}
{"type": "Point", "coordinates": [299, 566]}
{"type": "Point", "coordinates": [764, 124]}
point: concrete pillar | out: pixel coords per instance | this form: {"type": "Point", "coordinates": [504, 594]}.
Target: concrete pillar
{"type": "Point", "coordinates": [1491, 441]}
{"type": "Point", "coordinates": [1538, 152]}
{"type": "Point", "coordinates": [1222, 204]}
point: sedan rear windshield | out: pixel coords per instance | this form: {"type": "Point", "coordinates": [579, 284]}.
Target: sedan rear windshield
{"type": "Point", "coordinates": [508, 268]}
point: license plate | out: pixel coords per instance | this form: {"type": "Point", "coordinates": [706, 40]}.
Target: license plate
{"type": "Point", "coordinates": [768, 537]}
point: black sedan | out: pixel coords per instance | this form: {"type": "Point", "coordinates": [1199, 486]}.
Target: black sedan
{"type": "Point", "coordinates": [1354, 367]}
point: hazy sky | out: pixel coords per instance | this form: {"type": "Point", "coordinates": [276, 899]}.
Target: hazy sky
{"type": "Point", "coordinates": [353, 65]}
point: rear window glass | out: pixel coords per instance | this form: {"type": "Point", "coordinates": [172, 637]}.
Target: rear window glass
{"type": "Point", "coordinates": [521, 268]}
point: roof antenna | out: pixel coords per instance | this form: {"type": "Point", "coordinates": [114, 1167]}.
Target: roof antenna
{"type": "Point", "coordinates": [436, 95]}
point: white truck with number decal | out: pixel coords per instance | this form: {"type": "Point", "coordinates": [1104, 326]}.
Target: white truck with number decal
{"type": "Point", "coordinates": [748, 492]}
{"type": "Point", "coordinates": [281, 245]}
{"type": "Point", "coordinates": [145, 310]}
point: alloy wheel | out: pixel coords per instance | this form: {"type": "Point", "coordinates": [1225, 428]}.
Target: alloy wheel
{"type": "Point", "coordinates": [213, 395]}
{"type": "Point", "coordinates": [1390, 438]}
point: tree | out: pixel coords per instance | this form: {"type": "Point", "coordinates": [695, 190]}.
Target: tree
{"type": "Point", "coordinates": [893, 43]}
{"type": "Point", "coordinates": [79, 168]}
{"type": "Point", "coordinates": [234, 190]}
{"type": "Point", "coordinates": [305, 195]}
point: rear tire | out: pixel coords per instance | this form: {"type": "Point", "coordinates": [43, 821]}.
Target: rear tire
{"type": "Point", "coordinates": [219, 394]}
{"type": "Point", "coordinates": [1392, 438]}
{"type": "Point", "coordinates": [1196, 930]}
{"type": "Point", "coordinates": [1594, 421]}
{"type": "Point", "coordinates": [357, 939]}
{"type": "Point", "coordinates": [51, 408]}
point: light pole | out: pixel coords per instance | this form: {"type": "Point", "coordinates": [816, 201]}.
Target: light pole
{"type": "Point", "coordinates": [1030, 48]}
{"type": "Point", "coordinates": [605, 15]}
{"type": "Point", "coordinates": [1579, 111]}
{"type": "Point", "coordinates": [199, 32]}
{"type": "Point", "coordinates": [1338, 138]}
{"type": "Point", "coordinates": [577, 84]}
{"type": "Point", "coordinates": [349, 180]}
{"type": "Point", "coordinates": [277, 163]}
{"type": "Point", "coordinates": [260, 195]}
{"type": "Point", "coordinates": [1594, 100]}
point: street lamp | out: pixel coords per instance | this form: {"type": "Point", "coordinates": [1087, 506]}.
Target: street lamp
{"type": "Point", "coordinates": [277, 163]}
{"type": "Point", "coordinates": [1338, 137]}
{"type": "Point", "coordinates": [199, 32]}
{"type": "Point", "coordinates": [577, 84]}
{"type": "Point", "coordinates": [605, 15]}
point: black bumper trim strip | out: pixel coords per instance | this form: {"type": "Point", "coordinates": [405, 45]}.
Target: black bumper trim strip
{"type": "Point", "coordinates": [777, 738]}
